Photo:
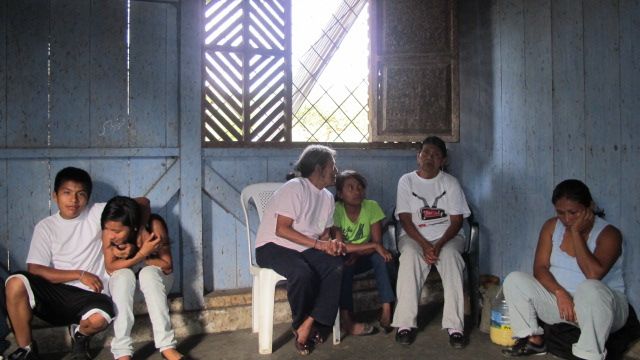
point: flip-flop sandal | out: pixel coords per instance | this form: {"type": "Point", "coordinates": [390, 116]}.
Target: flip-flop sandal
{"type": "Point", "coordinates": [302, 349]}
{"type": "Point", "coordinates": [316, 337]}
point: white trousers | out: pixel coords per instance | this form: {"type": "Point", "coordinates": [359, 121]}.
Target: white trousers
{"type": "Point", "coordinates": [153, 285]}
{"type": "Point", "coordinates": [599, 312]}
{"type": "Point", "coordinates": [413, 273]}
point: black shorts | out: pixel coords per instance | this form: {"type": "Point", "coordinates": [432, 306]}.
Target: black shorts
{"type": "Point", "coordinates": [62, 304]}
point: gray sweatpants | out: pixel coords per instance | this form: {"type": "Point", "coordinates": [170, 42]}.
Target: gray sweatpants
{"type": "Point", "coordinates": [599, 311]}
{"type": "Point", "coordinates": [412, 274]}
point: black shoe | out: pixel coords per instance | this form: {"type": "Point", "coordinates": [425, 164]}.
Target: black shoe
{"type": "Point", "coordinates": [523, 347]}
{"type": "Point", "coordinates": [25, 354]}
{"type": "Point", "coordinates": [457, 340]}
{"type": "Point", "coordinates": [406, 336]}
{"type": "Point", "coordinates": [80, 346]}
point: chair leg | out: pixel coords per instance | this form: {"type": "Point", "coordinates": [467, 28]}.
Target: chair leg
{"type": "Point", "coordinates": [255, 301]}
{"type": "Point", "coordinates": [265, 332]}
{"type": "Point", "coordinates": [336, 330]}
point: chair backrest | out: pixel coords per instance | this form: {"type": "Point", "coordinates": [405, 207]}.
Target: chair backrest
{"type": "Point", "coordinates": [260, 194]}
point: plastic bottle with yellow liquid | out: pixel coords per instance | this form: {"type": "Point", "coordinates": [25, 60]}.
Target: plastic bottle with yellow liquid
{"type": "Point", "coordinates": [500, 328]}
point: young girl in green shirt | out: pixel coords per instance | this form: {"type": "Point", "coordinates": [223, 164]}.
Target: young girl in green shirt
{"type": "Point", "coordinates": [359, 222]}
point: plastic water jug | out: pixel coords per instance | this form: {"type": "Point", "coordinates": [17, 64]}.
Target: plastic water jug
{"type": "Point", "coordinates": [500, 328]}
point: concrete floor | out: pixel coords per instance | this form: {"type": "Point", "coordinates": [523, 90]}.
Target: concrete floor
{"type": "Point", "coordinates": [431, 343]}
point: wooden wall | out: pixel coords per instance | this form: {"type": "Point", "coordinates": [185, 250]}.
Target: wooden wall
{"type": "Point", "coordinates": [549, 91]}
{"type": "Point", "coordinates": [227, 171]}
{"type": "Point", "coordinates": [65, 101]}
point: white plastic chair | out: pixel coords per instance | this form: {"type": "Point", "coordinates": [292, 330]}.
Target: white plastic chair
{"type": "Point", "coordinates": [265, 280]}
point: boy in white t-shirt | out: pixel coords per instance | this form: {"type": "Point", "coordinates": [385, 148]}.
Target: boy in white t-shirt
{"type": "Point", "coordinates": [65, 277]}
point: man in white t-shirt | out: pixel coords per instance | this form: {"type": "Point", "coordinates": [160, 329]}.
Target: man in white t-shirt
{"type": "Point", "coordinates": [66, 278]}
{"type": "Point", "coordinates": [431, 207]}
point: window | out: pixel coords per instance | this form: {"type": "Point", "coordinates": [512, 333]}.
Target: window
{"type": "Point", "coordinates": [282, 71]}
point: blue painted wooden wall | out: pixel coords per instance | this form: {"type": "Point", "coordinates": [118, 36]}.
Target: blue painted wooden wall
{"type": "Point", "coordinates": [549, 90]}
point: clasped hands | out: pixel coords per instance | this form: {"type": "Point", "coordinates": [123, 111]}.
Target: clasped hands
{"type": "Point", "coordinates": [331, 247]}
{"type": "Point", "coordinates": [430, 252]}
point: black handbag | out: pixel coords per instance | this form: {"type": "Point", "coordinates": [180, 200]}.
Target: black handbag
{"type": "Point", "coordinates": [560, 337]}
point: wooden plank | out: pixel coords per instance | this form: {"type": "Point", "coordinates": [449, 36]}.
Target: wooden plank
{"type": "Point", "coordinates": [602, 103]}
{"type": "Point", "coordinates": [221, 191]}
{"type": "Point", "coordinates": [70, 82]}
{"type": "Point", "coordinates": [190, 152]}
{"type": "Point", "coordinates": [166, 187]}
{"type": "Point", "coordinates": [568, 95]}
{"type": "Point", "coordinates": [109, 120]}
{"type": "Point", "coordinates": [513, 129]}
{"type": "Point", "coordinates": [27, 203]}
{"type": "Point", "coordinates": [171, 77]}
{"type": "Point", "coordinates": [27, 79]}
{"type": "Point", "coordinates": [3, 74]}
{"type": "Point", "coordinates": [225, 262]}
{"type": "Point", "coordinates": [110, 177]}
{"type": "Point", "coordinates": [208, 274]}
{"type": "Point", "coordinates": [147, 74]}
{"type": "Point", "coordinates": [87, 153]}
{"type": "Point", "coordinates": [144, 174]}
{"type": "Point", "coordinates": [537, 113]}
{"type": "Point", "coordinates": [491, 221]}
{"type": "Point", "coordinates": [630, 150]}
{"type": "Point", "coordinates": [173, 222]}
{"type": "Point", "coordinates": [4, 215]}
{"type": "Point", "coordinates": [479, 109]}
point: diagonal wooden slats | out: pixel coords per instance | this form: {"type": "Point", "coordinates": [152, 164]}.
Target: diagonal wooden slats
{"type": "Point", "coordinates": [223, 18]}
{"type": "Point", "coordinates": [245, 71]}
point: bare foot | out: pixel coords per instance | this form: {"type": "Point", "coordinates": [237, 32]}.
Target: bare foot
{"type": "Point", "coordinates": [171, 354]}
{"type": "Point", "coordinates": [360, 329]}
{"type": "Point", "coordinates": [304, 330]}
{"type": "Point", "coordinates": [127, 357]}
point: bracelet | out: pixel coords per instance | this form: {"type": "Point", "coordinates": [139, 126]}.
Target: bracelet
{"type": "Point", "coordinates": [81, 275]}
{"type": "Point", "coordinates": [315, 243]}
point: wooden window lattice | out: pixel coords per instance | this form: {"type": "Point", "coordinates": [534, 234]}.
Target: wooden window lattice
{"type": "Point", "coordinates": [246, 72]}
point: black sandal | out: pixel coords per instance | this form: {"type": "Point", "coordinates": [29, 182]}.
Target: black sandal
{"type": "Point", "coordinates": [302, 349]}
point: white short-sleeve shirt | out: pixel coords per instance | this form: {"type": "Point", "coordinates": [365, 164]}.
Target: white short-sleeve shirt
{"type": "Point", "coordinates": [70, 244]}
{"type": "Point", "coordinates": [310, 208]}
{"type": "Point", "coordinates": [431, 202]}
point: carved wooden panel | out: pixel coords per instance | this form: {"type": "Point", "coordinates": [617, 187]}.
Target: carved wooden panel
{"type": "Point", "coordinates": [415, 70]}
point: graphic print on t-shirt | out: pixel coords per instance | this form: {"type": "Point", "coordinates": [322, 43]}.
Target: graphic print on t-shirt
{"type": "Point", "coordinates": [432, 214]}
{"type": "Point", "coordinates": [353, 233]}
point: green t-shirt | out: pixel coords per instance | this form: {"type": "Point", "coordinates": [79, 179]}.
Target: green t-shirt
{"type": "Point", "coordinates": [360, 231]}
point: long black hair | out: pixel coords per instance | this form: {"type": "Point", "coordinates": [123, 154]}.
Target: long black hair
{"type": "Point", "coordinates": [124, 210]}
{"type": "Point", "coordinates": [575, 190]}
{"type": "Point", "coordinates": [348, 174]}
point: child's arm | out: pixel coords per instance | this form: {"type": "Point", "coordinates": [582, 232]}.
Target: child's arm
{"type": "Point", "coordinates": [57, 276]}
{"type": "Point", "coordinates": [115, 259]}
{"type": "Point", "coordinates": [373, 245]}
{"type": "Point", "coordinates": [162, 257]}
